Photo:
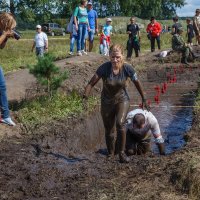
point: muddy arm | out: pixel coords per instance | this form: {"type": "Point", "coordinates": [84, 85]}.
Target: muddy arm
{"type": "Point", "coordinates": [140, 90]}
{"type": "Point", "coordinates": [90, 85]}
{"type": "Point", "coordinates": [161, 147]}
{"type": "Point", "coordinates": [3, 40]}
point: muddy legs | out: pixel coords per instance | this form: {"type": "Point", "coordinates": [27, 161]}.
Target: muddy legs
{"type": "Point", "coordinates": [115, 115]}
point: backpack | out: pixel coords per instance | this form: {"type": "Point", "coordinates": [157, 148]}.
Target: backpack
{"type": "Point", "coordinates": [70, 25]}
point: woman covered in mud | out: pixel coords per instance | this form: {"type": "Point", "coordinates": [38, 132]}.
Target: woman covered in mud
{"type": "Point", "coordinates": [115, 99]}
{"type": "Point", "coordinates": [7, 24]}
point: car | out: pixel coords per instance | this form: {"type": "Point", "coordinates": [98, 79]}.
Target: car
{"type": "Point", "coordinates": [53, 29]}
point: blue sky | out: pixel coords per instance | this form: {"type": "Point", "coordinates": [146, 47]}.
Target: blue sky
{"type": "Point", "coordinates": [189, 8]}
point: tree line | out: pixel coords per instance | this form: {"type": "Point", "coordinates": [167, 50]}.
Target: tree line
{"type": "Point", "coordinates": [32, 11]}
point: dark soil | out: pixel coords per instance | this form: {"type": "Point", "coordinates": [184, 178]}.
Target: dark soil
{"type": "Point", "coordinates": [66, 159]}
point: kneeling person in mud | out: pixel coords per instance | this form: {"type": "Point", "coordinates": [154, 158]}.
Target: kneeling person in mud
{"type": "Point", "coordinates": [179, 45]}
{"type": "Point", "coordinates": [141, 124]}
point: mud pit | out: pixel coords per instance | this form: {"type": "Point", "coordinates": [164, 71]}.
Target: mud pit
{"type": "Point", "coordinates": [60, 162]}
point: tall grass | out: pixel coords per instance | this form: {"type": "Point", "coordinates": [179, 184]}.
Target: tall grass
{"type": "Point", "coordinates": [45, 109]}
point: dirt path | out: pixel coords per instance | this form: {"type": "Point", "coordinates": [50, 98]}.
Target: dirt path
{"type": "Point", "coordinates": [66, 159]}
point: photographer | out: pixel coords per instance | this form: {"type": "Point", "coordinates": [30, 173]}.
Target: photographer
{"type": "Point", "coordinates": [7, 24]}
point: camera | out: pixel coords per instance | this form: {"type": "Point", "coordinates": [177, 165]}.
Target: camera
{"type": "Point", "coordinates": [16, 34]}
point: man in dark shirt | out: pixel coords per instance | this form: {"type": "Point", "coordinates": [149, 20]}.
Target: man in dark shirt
{"type": "Point", "coordinates": [176, 25]}
{"type": "Point", "coordinates": [133, 42]}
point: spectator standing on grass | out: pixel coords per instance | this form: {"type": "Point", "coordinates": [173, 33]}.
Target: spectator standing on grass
{"type": "Point", "coordinates": [107, 31]}
{"type": "Point", "coordinates": [7, 24]}
{"type": "Point", "coordinates": [82, 26]}
{"type": "Point", "coordinates": [196, 25]}
{"type": "Point", "coordinates": [93, 24]}
{"type": "Point", "coordinates": [190, 31]}
{"type": "Point", "coordinates": [154, 29]}
{"type": "Point", "coordinates": [40, 42]}
{"type": "Point", "coordinates": [73, 34]}
{"type": "Point", "coordinates": [176, 25]}
{"type": "Point", "coordinates": [133, 42]}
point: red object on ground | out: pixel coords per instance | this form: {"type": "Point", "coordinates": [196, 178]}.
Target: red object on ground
{"type": "Point", "coordinates": [140, 105]}
{"type": "Point", "coordinates": [157, 100]}
{"type": "Point", "coordinates": [174, 79]}
{"type": "Point", "coordinates": [158, 89]}
{"type": "Point", "coordinates": [175, 70]}
{"type": "Point", "coordinates": [149, 102]}
{"type": "Point", "coordinates": [163, 90]}
{"type": "Point", "coordinates": [165, 86]}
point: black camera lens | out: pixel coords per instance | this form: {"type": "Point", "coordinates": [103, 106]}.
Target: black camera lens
{"type": "Point", "coordinates": [17, 35]}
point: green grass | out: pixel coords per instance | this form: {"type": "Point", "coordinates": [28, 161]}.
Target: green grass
{"type": "Point", "coordinates": [44, 109]}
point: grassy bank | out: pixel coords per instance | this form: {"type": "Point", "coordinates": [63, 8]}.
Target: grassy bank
{"type": "Point", "coordinates": [44, 109]}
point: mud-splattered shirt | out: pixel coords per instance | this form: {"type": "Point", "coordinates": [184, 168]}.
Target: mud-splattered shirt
{"type": "Point", "coordinates": [115, 86]}
{"type": "Point", "coordinates": [149, 119]}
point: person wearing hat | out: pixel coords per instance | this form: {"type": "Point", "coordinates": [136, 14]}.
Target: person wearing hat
{"type": "Point", "coordinates": [141, 124]}
{"type": "Point", "coordinates": [93, 23]}
{"type": "Point", "coordinates": [40, 42]}
{"type": "Point", "coordinates": [176, 25]}
{"type": "Point", "coordinates": [196, 24]}
{"type": "Point", "coordinates": [154, 29]}
{"type": "Point", "coordinates": [179, 45]}
{"type": "Point", "coordinates": [133, 42]}
{"type": "Point", "coordinates": [107, 31]}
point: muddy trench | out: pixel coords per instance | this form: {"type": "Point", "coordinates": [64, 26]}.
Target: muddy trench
{"type": "Point", "coordinates": [63, 160]}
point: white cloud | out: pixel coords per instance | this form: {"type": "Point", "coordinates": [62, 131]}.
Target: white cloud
{"type": "Point", "coordinates": [189, 9]}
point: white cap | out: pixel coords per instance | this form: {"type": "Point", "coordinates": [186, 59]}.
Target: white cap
{"type": "Point", "coordinates": [38, 26]}
{"type": "Point", "coordinates": [89, 3]}
{"type": "Point", "coordinates": [109, 20]}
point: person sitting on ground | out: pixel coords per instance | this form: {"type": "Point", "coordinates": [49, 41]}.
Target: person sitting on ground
{"type": "Point", "coordinates": [176, 25]}
{"type": "Point", "coordinates": [179, 45]}
{"type": "Point", "coordinates": [141, 124]}
{"type": "Point", "coordinates": [40, 42]}
{"type": "Point", "coordinates": [133, 42]}
{"type": "Point", "coordinates": [190, 31]}
{"type": "Point", "coordinates": [196, 24]}
{"type": "Point", "coordinates": [107, 31]}
{"type": "Point", "coordinates": [154, 29]}
{"type": "Point", "coordinates": [7, 24]}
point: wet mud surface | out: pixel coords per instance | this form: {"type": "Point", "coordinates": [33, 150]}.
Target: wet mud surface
{"type": "Point", "coordinates": [66, 159]}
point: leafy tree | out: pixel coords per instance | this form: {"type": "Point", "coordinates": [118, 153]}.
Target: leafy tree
{"type": "Point", "coordinates": [48, 74]}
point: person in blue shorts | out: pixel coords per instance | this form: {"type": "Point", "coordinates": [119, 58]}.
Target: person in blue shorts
{"type": "Point", "coordinates": [93, 24]}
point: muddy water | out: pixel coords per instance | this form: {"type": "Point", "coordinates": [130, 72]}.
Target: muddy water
{"type": "Point", "coordinates": [174, 111]}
